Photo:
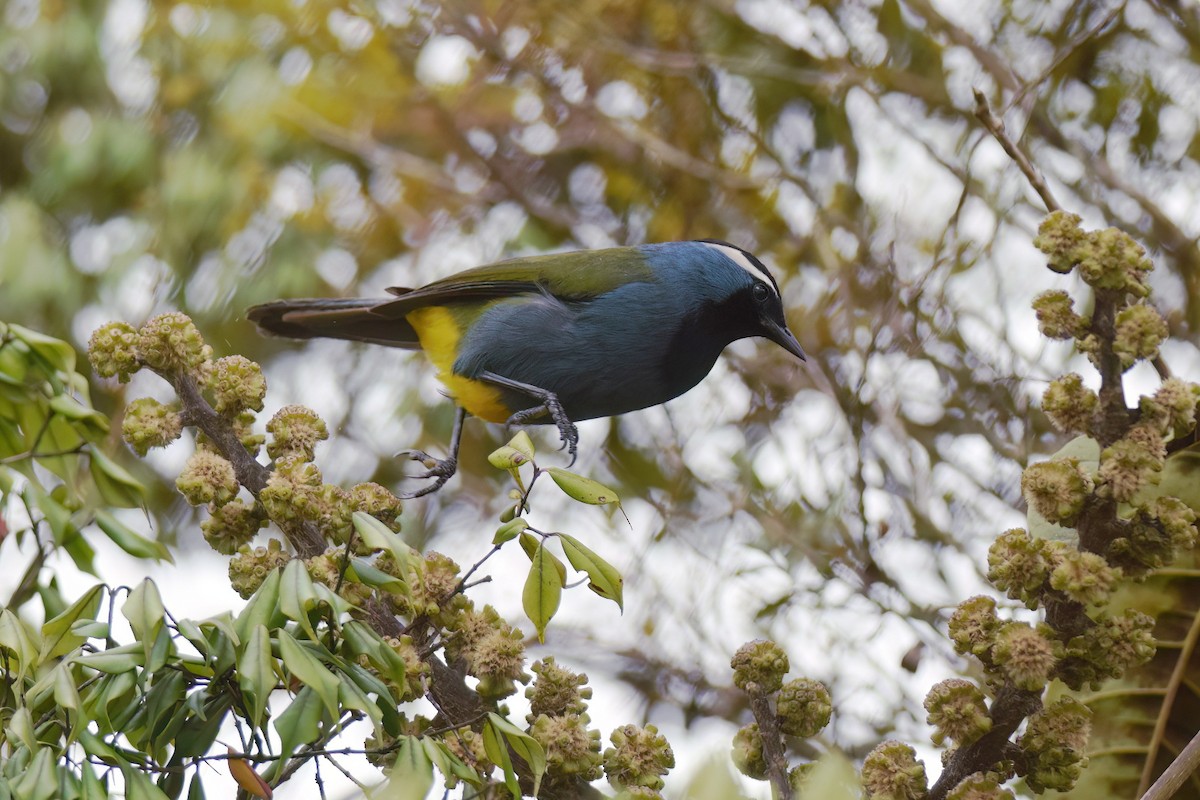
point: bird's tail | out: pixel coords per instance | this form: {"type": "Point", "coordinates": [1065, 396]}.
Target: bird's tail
{"type": "Point", "coordinates": [353, 319]}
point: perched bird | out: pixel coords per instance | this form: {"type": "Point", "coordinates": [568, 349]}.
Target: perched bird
{"type": "Point", "coordinates": [562, 337]}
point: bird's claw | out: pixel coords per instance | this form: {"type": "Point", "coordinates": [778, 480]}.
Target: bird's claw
{"type": "Point", "coordinates": [439, 469]}
{"type": "Point", "coordinates": [567, 432]}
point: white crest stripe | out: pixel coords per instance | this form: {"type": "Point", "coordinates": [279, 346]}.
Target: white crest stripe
{"type": "Point", "coordinates": [739, 258]}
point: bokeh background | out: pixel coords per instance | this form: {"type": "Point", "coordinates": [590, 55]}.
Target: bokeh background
{"type": "Point", "coordinates": [209, 156]}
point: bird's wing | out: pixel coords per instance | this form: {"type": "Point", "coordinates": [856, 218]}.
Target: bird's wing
{"type": "Point", "coordinates": [567, 276]}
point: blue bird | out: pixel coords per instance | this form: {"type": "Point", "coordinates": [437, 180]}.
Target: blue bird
{"type": "Point", "coordinates": [562, 337]}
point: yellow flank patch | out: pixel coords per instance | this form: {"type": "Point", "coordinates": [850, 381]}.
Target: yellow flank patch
{"type": "Point", "coordinates": [440, 333]}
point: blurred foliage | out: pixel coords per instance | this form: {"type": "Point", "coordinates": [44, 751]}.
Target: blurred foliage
{"type": "Point", "coordinates": [210, 156]}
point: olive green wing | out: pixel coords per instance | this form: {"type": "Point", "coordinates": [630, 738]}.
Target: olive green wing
{"type": "Point", "coordinates": [574, 276]}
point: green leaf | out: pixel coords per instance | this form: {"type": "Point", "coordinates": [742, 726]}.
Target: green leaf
{"type": "Point", "coordinates": [261, 609]}
{"type": "Point", "coordinates": [507, 458]}
{"type": "Point", "coordinates": [509, 530]}
{"type": "Point", "coordinates": [543, 590]}
{"type": "Point", "coordinates": [298, 724]}
{"type": "Point", "coordinates": [57, 517]}
{"type": "Point", "coordinates": [256, 673]}
{"type": "Point", "coordinates": [116, 486]}
{"type": "Point", "coordinates": [497, 752]}
{"type": "Point", "coordinates": [37, 781]}
{"type": "Point", "coordinates": [362, 572]}
{"type": "Point", "coordinates": [90, 785]}
{"type": "Point", "coordinates": [523, 745]}
{"type": "Point", "coordinates": [522, 444]}
{"type": "Point", "coordinates": [297, 595]}
{"type": "Point", "coordinates": [145, 611]}
{"type": "Point", "coordinates": [351, 698]}
{"type": "Point", "coordinates": [585, 490]}
{"type": "Point", "coordinates": [378, 536]}
{"type": "Point", "coordinates": [115, 660]}
{"type": "Point", "coordinates": [57, 636]}
{"type": "Point", "coordinates": [138, 785]}
{"type": "Point", "coordinates": [196, 788]}
{"type": "Point", "coordinates": [18, 639]}
{"type": "Point", "coordinates": [130, 540]}
{"type": "Point", "coordinates": [309, 670]}
{"type": "Point", "coordinates": [69, 408]}
{"type": "Point", "coordinates": [412, 775]}
{"type": "Point", "coordinates": [447, 762]}
{"type": "Point", "coordinates": [603, 578]}
{"type": "Point", "coordinates": [55, 353]}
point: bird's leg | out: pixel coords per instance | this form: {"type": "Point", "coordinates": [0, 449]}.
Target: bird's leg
{"type": "Point", "coordinates": [440, 469]}
{"type": "Point", "coordinates": [550, 406]}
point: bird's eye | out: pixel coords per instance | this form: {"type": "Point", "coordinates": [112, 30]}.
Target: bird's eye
{"type": "Point", "coordinates": [759, 292]}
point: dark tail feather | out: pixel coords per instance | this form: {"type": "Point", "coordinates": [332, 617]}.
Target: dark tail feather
{"type": "Point", "coordinates": [350, 319]}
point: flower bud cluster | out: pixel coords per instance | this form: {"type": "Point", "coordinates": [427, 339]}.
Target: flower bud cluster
{"type": "Point", "coordinates": [1107, 259]}
{"type": "Point", "coordinates": [488, 648]}
{"type": "Point", "coordinates": [149, 423]}
{"type": "Point", "coordinates": [207, 478]}
{"type": "Point", "coordinates": [329, 569]}
{"type": "Point", "coordinates": [1054, 744]}
{"type": "Point", "coordinates": [638, 759]}
{"type": "Point", "coordinates": [295, 431]}
{"type": "Point", "coordinates": [759, 666]}
{"type": "Point", "coordinates": [892, 772]}
{"type": "Point", "coordinates": [171, 343]}
{"type": "Point", "coordinates": [802, 707]}
{"type": "Point", "coordinates": [1057, 489]}
{"type": "Point", "coordinates": [249, 568]}
{"type": "Point", "coordinates": [237, 385]}
{"type": "Point", "coordinates": [113, 351]}
{"type": "Point", "coordinates": [957, 711]}
{"type": "Point", "coordinates": [233, 525]}
{"type": "Point", "coordinates": [556, 690]}
{"type": "Point", "coordinates": [572, 748]}
{"type": "Point", "coordinates": [1108, 649]}
{"type": "Point", "coordinates": [980, 786]}
{"type": "Point", "coordinates": [1070, 404]}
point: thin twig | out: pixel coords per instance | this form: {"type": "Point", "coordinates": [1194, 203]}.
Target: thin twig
{"type": "Point", "coordinates": [1175, 775]}
{"type": "Point", "coordinates": [1064, 54]}
{"type": "Point", "coordinates": [1178, 676]}
{"type": "Point", "coordinates": [995, 126]}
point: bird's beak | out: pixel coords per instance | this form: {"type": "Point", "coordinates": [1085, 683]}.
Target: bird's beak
{"type": "Point", "coordinates": [780, 335]}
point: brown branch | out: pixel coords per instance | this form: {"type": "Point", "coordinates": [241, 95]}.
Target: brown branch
{"type": "Point", "coordinates": [197, 412]}
{"type": "Point", "coordinates": [772, 742]}
{"type": "Point", "coordinates": [995, 126]}
{"type": "Point", "coordinates": [1008, 711]}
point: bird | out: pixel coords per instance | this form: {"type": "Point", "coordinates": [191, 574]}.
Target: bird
{"type": "Point", "coordinates": [561, 337]}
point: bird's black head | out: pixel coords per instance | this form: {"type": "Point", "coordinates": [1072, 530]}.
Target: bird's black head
{"type": "Point", "coordinates": [753, 306]}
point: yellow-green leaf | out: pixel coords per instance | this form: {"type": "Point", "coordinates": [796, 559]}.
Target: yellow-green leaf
{"type": "Point", "coordinates": [543, 590]}
{"type": "Point", "coordinates": [309, 670]}
{"type": "Point", "coordinates": [509, 458]}
{"type": "Point", "coordinates": [585, 490]}
{"type": "Point", "coordinates": [603, 578]}
{"type": "Point", "coordinates": [523, 745]}
{"type": "Point", "coordinates": [130, 540]}
{"type": "Point", "coordinates": [256, 673]}
{"type": "Point", "coordinates": [58, 638]}
{"type": "Point", "coordinates": [509, 530]}
{"type": "Point", "coordinates": [116, 486]}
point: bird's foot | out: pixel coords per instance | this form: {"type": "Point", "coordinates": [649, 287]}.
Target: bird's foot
{"type": "Point", "coordinates": [567, 432]}
{"type": "Point", "coordinates": [439, 470]}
